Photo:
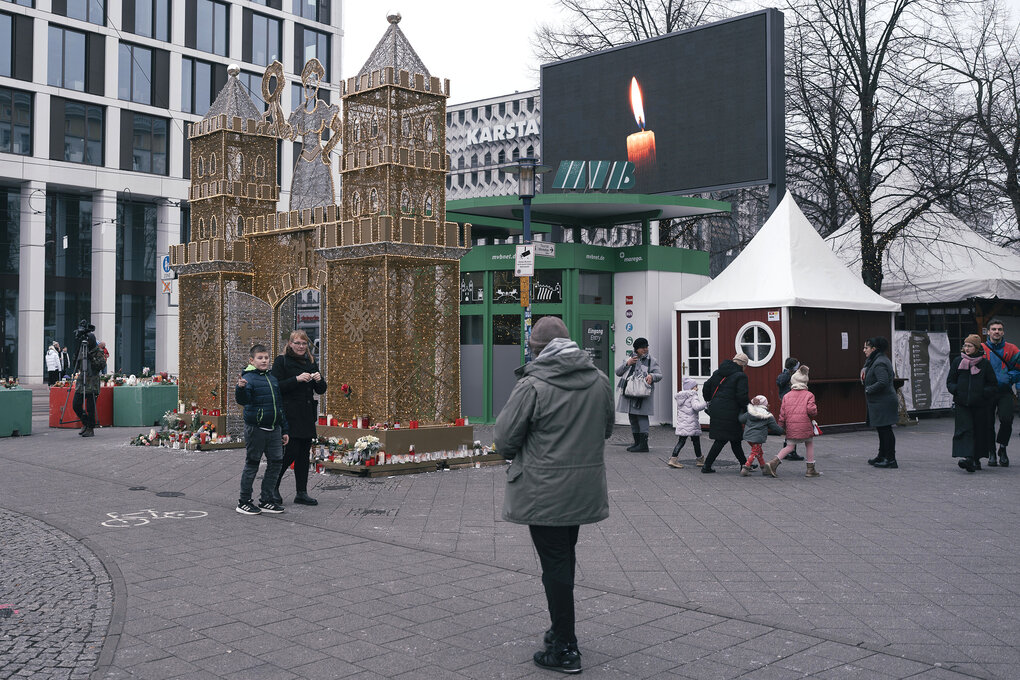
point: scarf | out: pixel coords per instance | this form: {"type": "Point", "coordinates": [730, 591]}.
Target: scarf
{"type": "Point", "coordinates": [969, 362]}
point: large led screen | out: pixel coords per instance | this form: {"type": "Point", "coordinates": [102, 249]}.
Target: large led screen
{"type": "Point", "coordinates": [692, 110]}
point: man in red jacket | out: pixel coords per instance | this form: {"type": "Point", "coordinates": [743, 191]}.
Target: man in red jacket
{"type": "Point", "coordinates": [1003, 357]}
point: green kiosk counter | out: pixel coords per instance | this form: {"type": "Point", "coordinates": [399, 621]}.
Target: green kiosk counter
{"type": "Point", "coordinates": [15, 411]}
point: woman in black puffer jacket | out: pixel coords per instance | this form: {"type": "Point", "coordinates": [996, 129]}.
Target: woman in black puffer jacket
{"type": "Point", "coordinates": [727, 395]}
{"type": "Point", "coordinates": [300, 381]}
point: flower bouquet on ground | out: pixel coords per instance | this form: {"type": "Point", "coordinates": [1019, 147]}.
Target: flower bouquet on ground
{"type": "Point", "coordinates": [365, 448]}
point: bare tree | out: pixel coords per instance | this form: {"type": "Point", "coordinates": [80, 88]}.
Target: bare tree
{"type": "Point", "coordinates": [981, 48]}
{"type": "Point", "coordinates": [858, 104]}
{"type": "Point", "coordinates": [593, 25]}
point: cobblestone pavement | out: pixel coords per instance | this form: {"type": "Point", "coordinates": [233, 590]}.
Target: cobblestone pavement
{"type": "Point", "coordinates": [55, 602]}
{"type": "Point", "coordinates": [860, 573]}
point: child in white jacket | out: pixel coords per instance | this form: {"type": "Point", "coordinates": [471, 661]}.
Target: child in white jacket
{"type": "Point", "coordinates": [688, 404]}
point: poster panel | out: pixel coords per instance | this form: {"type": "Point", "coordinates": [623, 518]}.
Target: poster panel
{"type": "Point", "coordinates": [923, 358]}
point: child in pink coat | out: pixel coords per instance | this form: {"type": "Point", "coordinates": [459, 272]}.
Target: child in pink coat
{"type": "Point", "coordinates": [795, 415]}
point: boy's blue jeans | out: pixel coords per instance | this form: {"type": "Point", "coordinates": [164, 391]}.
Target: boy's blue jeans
{"type": "Point", "coordinates": [258, 441]}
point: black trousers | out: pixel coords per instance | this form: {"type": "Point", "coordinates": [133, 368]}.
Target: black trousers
{"type": "Point", "coordinates": [297, 452]}
{"type": "Point", "coordinates": [717, 447]}
{"type": "Point", "coordinates": [85, 408]}
{"type": "Point", "coordinates": [683, 440]}
{"type": "Point", "coordinates": [1003, 406]}
{"type": "Point", "coordinates": [556, 552]}
{"type": "Point", "coordinates": [52, 377]}
{"type": "Point", "coordinates": [886, 442]}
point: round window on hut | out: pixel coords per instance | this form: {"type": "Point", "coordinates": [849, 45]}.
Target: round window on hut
{"type": "Point", "coordinates": [757, 341]}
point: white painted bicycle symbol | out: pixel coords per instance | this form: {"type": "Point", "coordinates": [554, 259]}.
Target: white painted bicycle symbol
{"type": "Point", "coordinates": [142, 517]}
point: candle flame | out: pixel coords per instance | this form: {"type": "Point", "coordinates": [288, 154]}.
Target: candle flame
{"type": "Point", "coordinates": [636, 103]}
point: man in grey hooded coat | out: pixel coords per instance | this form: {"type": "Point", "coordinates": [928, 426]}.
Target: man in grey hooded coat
{"type": "Point", "coordinates": [553, 430]}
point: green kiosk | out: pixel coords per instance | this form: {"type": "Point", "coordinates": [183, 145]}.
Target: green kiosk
{"type": "Point", "coordinates": [606, 296]}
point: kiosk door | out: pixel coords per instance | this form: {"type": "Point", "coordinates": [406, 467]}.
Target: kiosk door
{"type": "Point", "coordinates": [699, 346]}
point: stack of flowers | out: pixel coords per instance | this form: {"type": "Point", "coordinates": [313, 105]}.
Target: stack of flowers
{"type": "Point", "coordinates": [364, 452]}
{"type": "Point", "coordinates": [152, 439]}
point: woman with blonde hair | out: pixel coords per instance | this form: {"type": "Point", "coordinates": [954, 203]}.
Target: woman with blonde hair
{"type": "Point", "coordinates": [300, 380]}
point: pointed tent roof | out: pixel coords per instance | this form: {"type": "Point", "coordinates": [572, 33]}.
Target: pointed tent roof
{"type": "Point", "coordinates": [786, 264]}
{"type": "Point", "coordinates": [394, 50]}
{"type": "Point", "coordinates": [233, 99]}
{"type": "Point", "coordinates": [937, 258]}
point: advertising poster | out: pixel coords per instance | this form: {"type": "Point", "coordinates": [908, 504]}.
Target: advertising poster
{"type": "Point", "coordinates": [923, 358]}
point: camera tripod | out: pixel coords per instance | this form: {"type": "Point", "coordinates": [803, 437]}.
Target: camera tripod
{"type": "Point", "coordinates": [81, 363]}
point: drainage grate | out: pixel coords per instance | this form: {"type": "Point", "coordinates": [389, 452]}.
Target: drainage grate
{"type": "Point", "coordinates": [170, 494]}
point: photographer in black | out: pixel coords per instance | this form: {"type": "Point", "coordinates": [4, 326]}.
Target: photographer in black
{"type": "Point", "coordinates": [89, 364]}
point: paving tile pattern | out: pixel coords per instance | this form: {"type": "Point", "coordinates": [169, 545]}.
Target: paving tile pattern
{"type": "Point", "coordinates": [858, 574]}
{"type": "Point", "coordinates": [55, 602]}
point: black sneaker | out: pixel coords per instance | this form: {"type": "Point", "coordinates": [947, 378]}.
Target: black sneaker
{"type": "Point", "coordinates": [564, 659]}
{"type": "Point", "coordinates": [794, 456]}
{"type": "Point", "coordinates": [248, 508]}
{"type": "Point", "coordinates": [270, 507]}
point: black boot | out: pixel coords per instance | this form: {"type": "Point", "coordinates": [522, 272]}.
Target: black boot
{"type": "Point", "coordinates": [991, 459]}
{"type": "Point", "coordinates": [642, 443]}
{"type": "Point", "coordinates": [89, 432]}
{"type": "Point", "coordinates": [889, 463]}
{"type": "Point", "coordinates": [1003, 460]}
{"type": "Point", "coordinates": [793, 455]}
{"type": "Point", "coordinates": [873, 461]}
{"type": "Point", "coordinates": [637, 442]}
{"type": "Point", "coordinates": [966, 464]}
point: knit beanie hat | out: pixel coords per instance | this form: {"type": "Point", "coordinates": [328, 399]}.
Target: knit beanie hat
{"type": "Point", "coordinates": [689, 383]}
{"type": "Point", "coordinates": [741, 359]}
{"type": "Point", "coordinates": [973, 339]}
{"type": "Point", "coordinates": [543, 332]}
{"type": "Point", "coordinates": [799, 380]}
{"type": "Point", "coordinates": [760, 400]}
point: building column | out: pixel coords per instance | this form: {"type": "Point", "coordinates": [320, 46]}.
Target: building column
{"type": "Point", "coordinates": [168, 232]}
{"type": "Point", "coordinates": [32, 283]}
{"type": "Point", "coordinates": [104, 271]}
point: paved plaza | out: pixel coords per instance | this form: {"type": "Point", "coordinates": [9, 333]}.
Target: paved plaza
{"type": "Point", "coordinates": [861, 573]}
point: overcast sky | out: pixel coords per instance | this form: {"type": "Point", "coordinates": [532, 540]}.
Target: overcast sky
{"type": "Point", "coordinates": [484, 48]}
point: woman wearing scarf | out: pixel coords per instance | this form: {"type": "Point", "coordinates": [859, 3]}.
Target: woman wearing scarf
{"type": "Point", "coordinates": [883, 406]}
{"type": "Point", "coordinates": [638, 409]}
{"type": "Point", "coordinates": [973, 384]}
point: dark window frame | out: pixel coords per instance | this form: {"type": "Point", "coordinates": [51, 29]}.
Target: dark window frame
{"type": "Point", "coordinates": [63, 57]}
{"type": "Point", "coordinates": [149, 77]}
{"type": "Point", "coordinates": [151, 153]}
{"type": "Point", "coordinates": [250, 42]}
{"type": "Point", "coordinates": [87, 140]}
{"type": "Point", "coordinates": [10, 124]}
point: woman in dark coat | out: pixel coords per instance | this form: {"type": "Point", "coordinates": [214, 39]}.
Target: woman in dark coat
{"type": "Point", "coordinates": [727, 396]}
{"type": "Point", "coordinates": [300, 381]}
{"type": "Point", "coordinates": [883, 406]}
{"type": "Point", "coordinates": [973, 384]}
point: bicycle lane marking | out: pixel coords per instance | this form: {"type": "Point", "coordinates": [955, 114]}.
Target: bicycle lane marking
{"type": "Point", "coordinates": [142, 517]}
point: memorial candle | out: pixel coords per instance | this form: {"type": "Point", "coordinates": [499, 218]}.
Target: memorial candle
{"type": "Point", "coordinates": [640, 145]}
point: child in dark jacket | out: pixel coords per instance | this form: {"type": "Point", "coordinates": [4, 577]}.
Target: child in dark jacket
{"type": "Point", "coordinates": [265, 431]}
{"type": "Point", "coordinates": [758, 425]}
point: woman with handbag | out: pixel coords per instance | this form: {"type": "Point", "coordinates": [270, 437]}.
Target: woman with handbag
{"type": "Point", "coordinates": [638, 375]}
{"type": "Point", "coordinates": [883, 406]}
{"type": "Point", "coordinates": [727, 395]}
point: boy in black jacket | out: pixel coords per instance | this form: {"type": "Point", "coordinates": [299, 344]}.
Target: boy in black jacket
{"type": "Point", "coordinates": [265, 431]}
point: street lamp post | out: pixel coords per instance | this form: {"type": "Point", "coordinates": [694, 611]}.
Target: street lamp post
{"type": "Point", "coordinates": [526, 170]}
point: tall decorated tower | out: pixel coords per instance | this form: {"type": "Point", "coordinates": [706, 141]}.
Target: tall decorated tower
{"type": "Point", "coordinates": [393, 262]}
{"type": "Point", "coordinates": [233, 181]}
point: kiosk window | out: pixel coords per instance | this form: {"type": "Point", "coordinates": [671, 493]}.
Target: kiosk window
{"type": "Point", "coordinates": [472, 288]}
{"type": "Point", "coordinates": [506, 329]}
{"type": "Point", "coordinates": [547, 286]}
{"type": "Point", "coordinates": [506, 288]}
{"type": "Point", "coordinates": [595, 288]}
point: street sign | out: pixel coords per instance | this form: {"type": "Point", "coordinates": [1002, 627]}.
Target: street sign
{"type": "Point", "coordinates": [524, 263]}
{"type": "Point", "coordinates": [544, 248]}
{"type": "Point", "coordinates": [165, 273]}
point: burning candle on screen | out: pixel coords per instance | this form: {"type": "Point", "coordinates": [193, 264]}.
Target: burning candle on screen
{"type": "Point", "coordinates": [640, 145]}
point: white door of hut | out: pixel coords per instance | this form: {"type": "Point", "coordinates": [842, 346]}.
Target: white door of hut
{"type": "Point", "coordinates": [699, 348]}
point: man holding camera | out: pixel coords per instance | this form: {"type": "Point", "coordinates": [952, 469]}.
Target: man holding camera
{"type": "Point", "coordinates": [90, 364]}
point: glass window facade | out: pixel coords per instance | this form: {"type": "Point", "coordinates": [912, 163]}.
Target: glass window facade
{"type": "Point", "coordinates": [152, 18]}
{"type": "Point", "coordinates": [134, 82]}
{"type": "Point", "coordinates": [196, 86]}
{"type": "Point", "coordinates": [87, 10]}
{"type": "Point", "coordinates": [10, 232]}
{"type": "Point", "coordinates": [213, 27]}
{"type": "Point", "coordinates": [83, 133]}
{"type": "Point", "coordinates": [68, 265]}
{"type": "Point", "coordinates": [6, 44]}
{"type": "Point", "coordinates": [253, 84]}
{"type": "Point", "coordinates": [15, 122]}
{"type": "Point", "coordinates": [316, 10]}
{"type": "Point", "coordinates": [136, 287]}
{"type": "Point", "coordinates": [149, 145]}
{"type": "Point", "coordinates": [66, 58]}
{"type": "Point", "coordinates": [595, 288]}
{"type": "Point", "coordinates": [265, 40]}
{"type": "Point", "coordinates": [315, 45]}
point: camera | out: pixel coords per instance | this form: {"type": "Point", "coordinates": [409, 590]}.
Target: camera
{"type": "Point", "coordinates": [81, 333]}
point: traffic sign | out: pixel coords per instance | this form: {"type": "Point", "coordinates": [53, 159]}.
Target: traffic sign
{"type": "Point", "coordinates": [545, 248]}
{"type": "Point", "coordinates": [165, 273]}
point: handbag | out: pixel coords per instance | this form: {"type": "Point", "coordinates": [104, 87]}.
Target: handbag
{"type": "Point", "coordinates": [708, 404]}
{"type": "Point", "coordinates": [636, 387]}
{"type": "Point", "coordinates": [815, 429]}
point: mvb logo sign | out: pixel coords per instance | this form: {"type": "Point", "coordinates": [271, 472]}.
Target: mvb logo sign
{"type": "Point", "coordinates": [594, 175]}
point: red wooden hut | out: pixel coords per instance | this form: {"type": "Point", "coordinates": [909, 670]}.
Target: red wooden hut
{"type": "Point", "coordinates": [787, 294]}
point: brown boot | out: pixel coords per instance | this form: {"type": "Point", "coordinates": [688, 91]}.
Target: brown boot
{"type": "Point", "coordinates": [769, 468]}
{"type": "Point", "coordinates": [811, 471]}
